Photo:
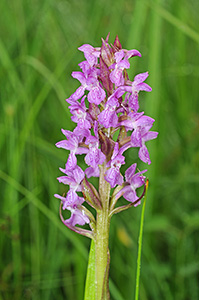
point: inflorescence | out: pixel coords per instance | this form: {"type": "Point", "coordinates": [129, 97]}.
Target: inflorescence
{"type": "Point", "coordinates": [105, 109]}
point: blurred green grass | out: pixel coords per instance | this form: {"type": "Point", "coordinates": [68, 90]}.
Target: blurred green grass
{"type": "Point", "coordinates": [40, 258]}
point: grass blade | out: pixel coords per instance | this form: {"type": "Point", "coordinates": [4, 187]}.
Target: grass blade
{"type": "Point", "coordinates": [140, 246]}
{"type": "Point", "coordinates": [192, 34]}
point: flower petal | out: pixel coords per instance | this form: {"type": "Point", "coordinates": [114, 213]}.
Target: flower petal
{"type": "Point", "coordinates": [130, 172]}
{"type": "Point", "coordinates": [141, 77]}
{"type": "Point", "coordinates": [144, 155]}
{"type": "Point", "coordinates": [96, 95]}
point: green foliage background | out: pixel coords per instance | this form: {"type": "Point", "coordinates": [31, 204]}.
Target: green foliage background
{"type": "Point", "coordinates": [42, 259]}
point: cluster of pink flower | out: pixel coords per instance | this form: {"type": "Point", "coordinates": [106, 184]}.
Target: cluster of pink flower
{"type": "Point", "coordinates": [105, 103]}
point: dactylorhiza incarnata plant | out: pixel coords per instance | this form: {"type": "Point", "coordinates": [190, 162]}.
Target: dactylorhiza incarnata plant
{"type": "Point", "coordinates": [105, 109]}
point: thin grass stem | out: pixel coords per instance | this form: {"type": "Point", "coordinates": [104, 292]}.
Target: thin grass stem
{"type": "Point", "coordinates": [140, 246]}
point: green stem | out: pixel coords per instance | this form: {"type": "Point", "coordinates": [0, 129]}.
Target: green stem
{"type": "Point", "coordinates": [140, 246]}
{"type": "Point", "coordinates": [102, 239]}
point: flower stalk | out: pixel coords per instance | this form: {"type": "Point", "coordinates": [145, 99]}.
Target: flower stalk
{"type": "Point", "coordinates": [102, 239]}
